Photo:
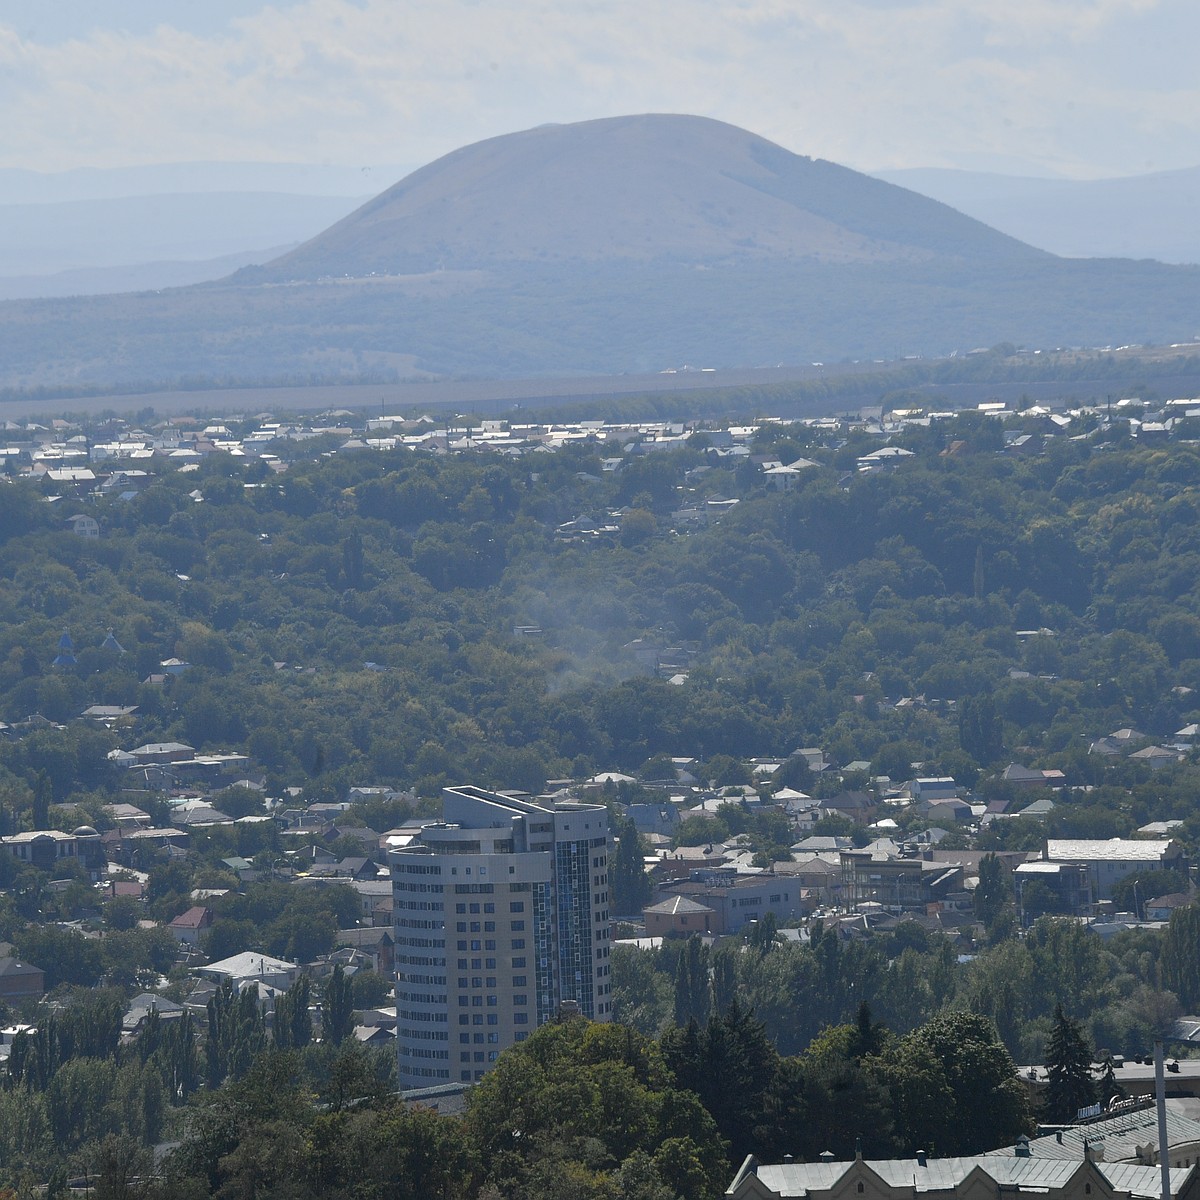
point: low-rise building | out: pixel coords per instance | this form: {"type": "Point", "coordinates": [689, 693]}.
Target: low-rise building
{"type": "Point", "coordinates": [1108, 861]}
{"type": "Point", "coordinates": [982, 1177]}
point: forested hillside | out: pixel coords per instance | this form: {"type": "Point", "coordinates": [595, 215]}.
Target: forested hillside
{"type": "Point", "coordinates": [802, 616]}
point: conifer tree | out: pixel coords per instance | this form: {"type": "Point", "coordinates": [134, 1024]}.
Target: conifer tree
{"type": "Point", "coordinates": [1069, 1066]}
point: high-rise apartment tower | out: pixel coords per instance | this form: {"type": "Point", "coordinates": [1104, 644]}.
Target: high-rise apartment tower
{"type": "Point", "coordinates": [500, 917]}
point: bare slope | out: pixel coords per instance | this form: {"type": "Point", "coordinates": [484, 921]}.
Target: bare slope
{"type": "Point", "coordinates": [1140, 216]}
{"type": "Point", "coordinates": [638, 189]}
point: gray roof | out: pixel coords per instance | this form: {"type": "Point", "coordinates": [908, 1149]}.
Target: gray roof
{"type": "Point", "coordinates": [1115, 1138]}
{"type": "Point", "coordinates": [1112, 849]}
{"type": "Point", "coordinates": [675, 905]}
{"type": "Point", "coordinates": [945, 1174]}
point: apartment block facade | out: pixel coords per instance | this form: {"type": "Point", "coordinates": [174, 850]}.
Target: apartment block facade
{"type": "Point", "coordinates": [500, 916]}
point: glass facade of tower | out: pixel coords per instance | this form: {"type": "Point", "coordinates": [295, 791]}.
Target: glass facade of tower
{"type": "Point", "coordinates": [500, 915]}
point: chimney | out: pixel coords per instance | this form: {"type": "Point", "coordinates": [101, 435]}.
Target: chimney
{"type": "Point", "coordinates": [921, 1161]}
{"type": "Point", "coordinates": [1058, 1136]}
{"type": "Point", "coordinates": [1021, 1149]}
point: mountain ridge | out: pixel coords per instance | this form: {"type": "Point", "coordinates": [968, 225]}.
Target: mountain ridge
{"type": "Point", "coordinates": [653, 187]}
{"type": "Point", "coordinates": [625, 245]}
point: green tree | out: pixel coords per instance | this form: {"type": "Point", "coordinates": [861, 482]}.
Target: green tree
{"type": "Point", "coordinates": [989, 1104]}
{"type": "Point", "coordinates": [337, 1007]}
{"type": "Point", "coordinates": [992, 893]}
{"type": "Point", "coordinates": [1181, 955]}
{"type": "Point", "coordinates": [631, 887]}
{"type": "Point", "coordinates": [1069, 1067]}
{"type": "Point", "coordinates": [692, 994]}
{"type": "Point", "coordinates": [292, 1029]}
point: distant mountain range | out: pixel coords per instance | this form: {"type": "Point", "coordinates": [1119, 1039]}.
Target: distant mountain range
{"type": "Point", "coordinates": [629, 244]}
{"type": "Point", "coordinates": [1143, 216]}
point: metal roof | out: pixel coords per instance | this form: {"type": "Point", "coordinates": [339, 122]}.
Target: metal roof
{"type": "Point", "coordinates": [945, 1174]}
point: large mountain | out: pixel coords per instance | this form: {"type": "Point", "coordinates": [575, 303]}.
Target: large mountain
{"type": "Point", "coordinates": [637, 189]}
{"type": "Point", "coordinates": [633, 244]}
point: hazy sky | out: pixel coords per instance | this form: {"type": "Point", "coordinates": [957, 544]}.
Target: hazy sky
{"type": "Point", "coordinates": [1084, 88]}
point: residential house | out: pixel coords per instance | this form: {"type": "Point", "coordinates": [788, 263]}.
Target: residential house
{"type": "Point", "coordinates": [140, 1008]}
{"type": "Point", "coordinates": [1156, 757]}
{"type": "Point", "coordinates": [677, 916]}
{"type": "Point", "coordinates": [20, 981]}
{"type": "Point", "coordinates": [252, 968]}
{"type": "Point", "coordinates": [1161, 907]}
{"type": "Point", "coordinates": [737, 900]}
{"type": "Point", "coordinates": [375, 942]}
{"type": "Point", "coordinates": [190, 926]}
{"type": "Point", "coordinates": [1018, 776]}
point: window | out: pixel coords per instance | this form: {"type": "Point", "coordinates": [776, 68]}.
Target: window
{"type": "Point", "coordinates": [460, 927]}
{"type": "Point", "coordinates": [515, 906]}
{"type": "Point", "coordinates": [489, 907]}
{"type": "Point", "coordinates": [521, 1000]}
{"type": "Point", "coordinates": [493, 1019]}
{"type": "Point", "coordinates": [474, 927]}
{"type": "Point", "coordinates": [489, 927]}
{"type": "Point", "coordinates": [518, 981]}
{"type": "Point", "coordinates": [474, 944]}
{"type": "Point", "coordinates": [460, 908]}
{"type": "Point", "coordinates": [474, 908]}
{"type": "Point", "coordinates": [517, 926]}
{"type": "Point", "coordinates": [464, 1039]}
{"type": "Point", "coordinates": [518, 963]}
{"type": "Point", "coordinates": [520, 1019]}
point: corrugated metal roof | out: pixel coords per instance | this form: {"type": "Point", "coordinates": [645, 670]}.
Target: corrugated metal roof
{"type": "Point", "coordinates": [945, 1174]}
{"type": "Point", "coordinates": [1095, 850]}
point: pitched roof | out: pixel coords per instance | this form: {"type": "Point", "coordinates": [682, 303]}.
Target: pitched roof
{"type": "Point", "coordinates": [674, 905]}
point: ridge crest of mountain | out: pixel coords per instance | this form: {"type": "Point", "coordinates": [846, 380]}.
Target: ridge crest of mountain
{"type": "Point", "coordinates": [648, 188]}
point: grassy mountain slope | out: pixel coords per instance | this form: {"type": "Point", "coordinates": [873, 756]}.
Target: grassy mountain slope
{"type": "Point", "coordinates": [641, 189]}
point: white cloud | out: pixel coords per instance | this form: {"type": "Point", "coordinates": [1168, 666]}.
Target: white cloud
{"type": "Point", "coordinates": [871, 83]}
